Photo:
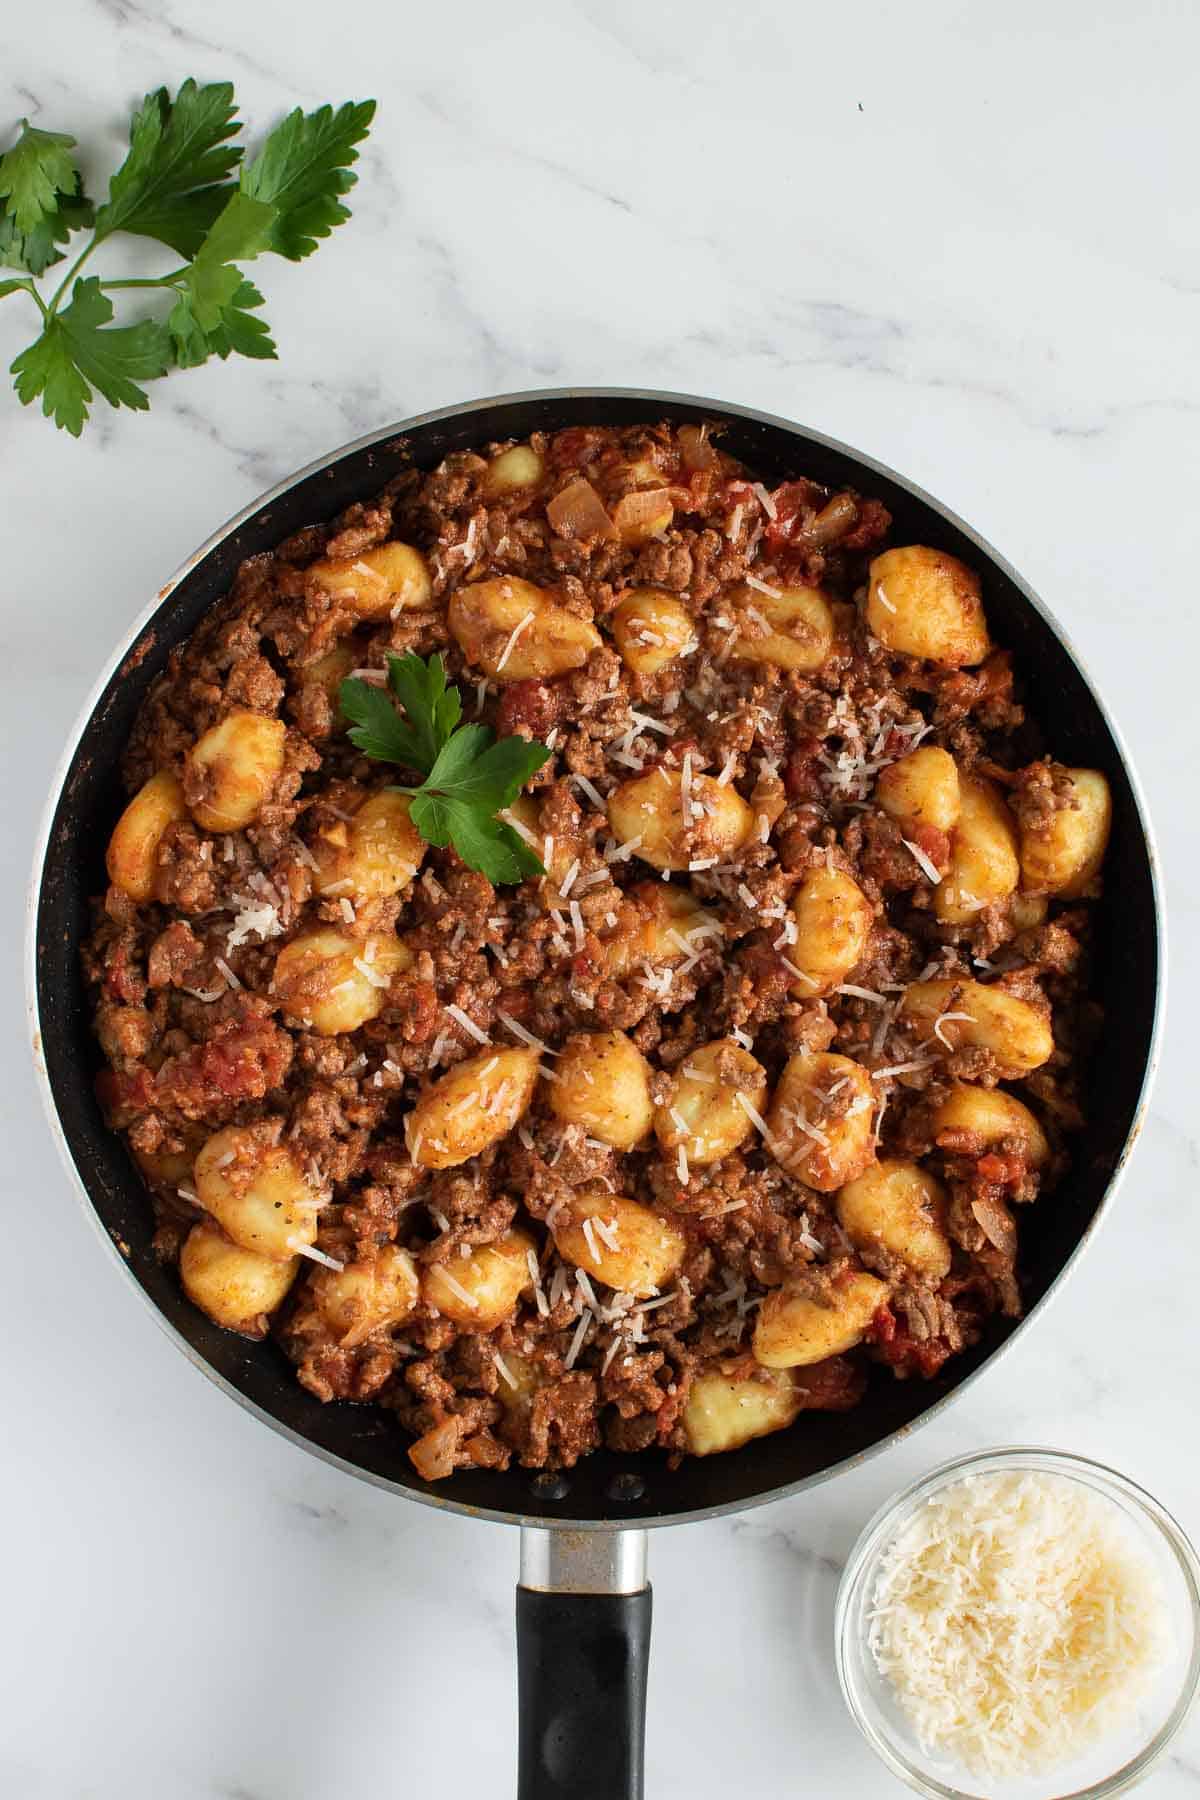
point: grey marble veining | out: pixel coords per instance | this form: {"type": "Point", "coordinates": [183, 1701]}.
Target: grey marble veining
{"type": "Point", "coordinates": [965, 239]}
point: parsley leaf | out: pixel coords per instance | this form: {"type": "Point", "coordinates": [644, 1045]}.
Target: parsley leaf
{"type": "Point", "coordinates": [212, 314]}
{"type": "Point", "coordinates": [80, 351]}
{"type": "Point", "coordinates": [33, 174]}
{"type": "Point", "coordinates": [170, 185]}
{"type": "Point", "coordinates": [487, 844]}
{"type": "Point", "coordinates": [178, 185]}
{"type": "Point", "coordinates": [38, 250]}
{"type": "Point", "coordinates": [469, 775]}
{"type": "Point", "coordinates": [301, 169]}
{"type": "Point", "coordinates": [236, 331]}
{"type": "Point", "coordinates": [433, 707]}
{"type": "Point", "coordinates": [378, 730]}
{"type": "Point", "coordinates": [42, 198]}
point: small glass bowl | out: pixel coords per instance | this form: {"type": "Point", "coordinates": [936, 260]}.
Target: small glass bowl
{"type": "Point", "coordinates": [1110, 1766]}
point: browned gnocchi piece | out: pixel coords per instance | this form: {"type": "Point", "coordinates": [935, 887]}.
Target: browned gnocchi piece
{"type": "Point", "coordinates": [515, 631]}
{"type": "Point", "coordinates": [651, 628]}
{"type": "Point", "coordinates": [132, 859]}
{"type": "Point", "coordinates": [257, 1192]}
{"type": "Point", "coordinates": [512, 471]}
{"type": "Point", "coordinates": [957, 1012]}
{"type": "Point", "coordinates": [619, 1241]}
{"type": "Point", "coordinates": [365, 1297]}
{"type": "Point", "coordinates": [705, 1113]}
{"type": "Point", "coordinates": [833, 922]}
{"type": "Point", "coordinates": [821, 1121]}
{"type": "Point", "coordinates": [898, 1207]}
{"type": "Point", "coordinates": [982, 1118]}
{"type": "Point", "coordinates": [648, 813]}
{"type": "Point", "coordinates": [335, 983]}
{"type": "Point", "coordinates": [983, 853]}
{"type": "Point", "coordinates": [370, 855]}
{"type": "Point", "coordinates": [481, 1289]}
{"type": "Point", "coordinates": [230, 771]}
{"type": "Point", "coordinates": [1061, 853]}
{"type": "Point", "coordinates": [238, 1288]}
{"type": "Point", "coordinates": [794, 628]}
{"type": "Point", "coordinates": [378, 583]}
{"type": "Point", "coordinates": [475, 1105]}
{"type": "Point", "coordinates": [796, 1328]}
{"type": "Point", "coordinates": [727, 1406]}
{"type": "Point", "coordinates": [926, 603]}
{"type": "Point", "coordinates": [921, 789]}
{"type": "Point", "coordinates": [658, 923]}
{"type": "Point", "coordinates": [602, 1082]}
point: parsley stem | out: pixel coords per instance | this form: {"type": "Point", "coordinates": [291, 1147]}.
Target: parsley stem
{"type": "Point", "coordinates": [147, 281]}
{"type": "Point", "coordinates": [65, 283]}
{"type": "Point", "coordinates": [27, 287]}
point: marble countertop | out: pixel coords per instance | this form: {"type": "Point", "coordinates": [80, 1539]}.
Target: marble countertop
{"type": "Point", "coordinates": [964, 239]}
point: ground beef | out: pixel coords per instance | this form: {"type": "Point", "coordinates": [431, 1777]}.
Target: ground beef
{"type": "Point", "coordinates": [192, 1000]}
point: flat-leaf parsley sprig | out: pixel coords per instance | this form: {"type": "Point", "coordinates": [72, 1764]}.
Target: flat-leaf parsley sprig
{"type": "Point", "coordinates": [183, 184]}
{"type": "Point", "coordinates": [469, 774]}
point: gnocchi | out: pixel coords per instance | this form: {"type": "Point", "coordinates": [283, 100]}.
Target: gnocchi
{"type": "Point", "coordinates": [619, 1241]}
{"type": "Point", "coordinates": [643, 515]}
{"type": "Point", "coordinates": [651, 628]}
{"type": "Point", "coordinates": [921, 789]}
{"type": "Point", "coordinates": [1027, 910]}
{"type": "Point", "coordinates": [482, 1288]}
{"type": "Point", "coordinates": [329, 671]}
{"type": "Point", "coordinates": [132, 859]}
{"type": "Point", "coordinates": [520, 1379]}
{"type": "Point", "coordinates": [898, 1207]}
{"type": "Point", "coordinates": [379, 583]}
{"type": "Point", "coordinates": [659, 924]}
{"type": "Point", "coordinates": [475, 1105]}
{"type": "Point", "coordinates": [926, 603]}
{"type": "Point", "coordinates": [603, 1083]}
{"type": "Point", "coordinates": [230, 771]}
{"type": "Point", "coordinates": [703, 1114]}
{"type": "Point", "coordinates": [795, 1328]}
{"type": "Point", "coordinates": [983, 854]}
{"type": "Point", "coordinates": [513, 470]}
{"type": "Point", "coordinates": [727, 1406]}
{"type": "Point", "coordinates": [257, 1192]}
{"type": "Point", "coordinates": [1062, 854]}
{"type": "Point", "coordinates": [373, 854]}
{"type": "Point", "coordinates": [366, 1296]}
{"type": "Point", "coordinates": [990, 1116]}
{"type": "Point", "coordinates": [557, 852]}
{"type": "Point", "coordinates": [170, 1168]}
{"type": "Point", "coordinates": [238, 1288]}
{"type": "Point", "coordinates": [1016, 1033]}
{"type": "Point", "coordinates": [334, 983]}
{"type": "Point", "coordinates": [821, 1119]}
{"type": "Point", "coordinates": [801, 628]}
{"type": "Point", "coordinates": [649, 813]}
{"type": "Point", "coordinates": [515, 631]}
{"type": "Point", "coordinates": [833, 923]}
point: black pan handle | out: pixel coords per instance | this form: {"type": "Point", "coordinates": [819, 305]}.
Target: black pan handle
{"type": "Point", "coordinates": [583, 1646]}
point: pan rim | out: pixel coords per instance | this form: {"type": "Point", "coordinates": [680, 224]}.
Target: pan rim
{"type": "Point", "coordinates": [652, 397]}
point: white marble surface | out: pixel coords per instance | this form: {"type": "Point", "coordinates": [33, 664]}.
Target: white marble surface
{"type": "Point", "coordinates": [964, 238]}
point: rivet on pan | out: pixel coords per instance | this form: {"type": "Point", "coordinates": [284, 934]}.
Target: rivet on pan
{"type": "Point", "coordinates": [550, 1487]}
{"type": "Point", "coordinates": [626, 1488]}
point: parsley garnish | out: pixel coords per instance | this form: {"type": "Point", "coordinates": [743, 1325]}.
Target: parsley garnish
{"type": "Point", "coordinates": [183, 184]}
{"type": "Point", "coordinates": [470, 774]}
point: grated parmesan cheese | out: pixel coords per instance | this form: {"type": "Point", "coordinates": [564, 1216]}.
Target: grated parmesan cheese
{"type": "Point", "coordinates": [1017, 1620]}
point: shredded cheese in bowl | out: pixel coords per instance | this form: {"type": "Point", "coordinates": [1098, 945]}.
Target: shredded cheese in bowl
{"type": "Point", "coordinates": [1021, 1623]}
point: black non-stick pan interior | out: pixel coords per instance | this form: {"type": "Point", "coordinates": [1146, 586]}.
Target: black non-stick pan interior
{"type": "Point", "coordinates": [604, 1486]}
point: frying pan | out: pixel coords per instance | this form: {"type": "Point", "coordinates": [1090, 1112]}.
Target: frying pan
{"type": "Point", "coordinates": [583, 1605]}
